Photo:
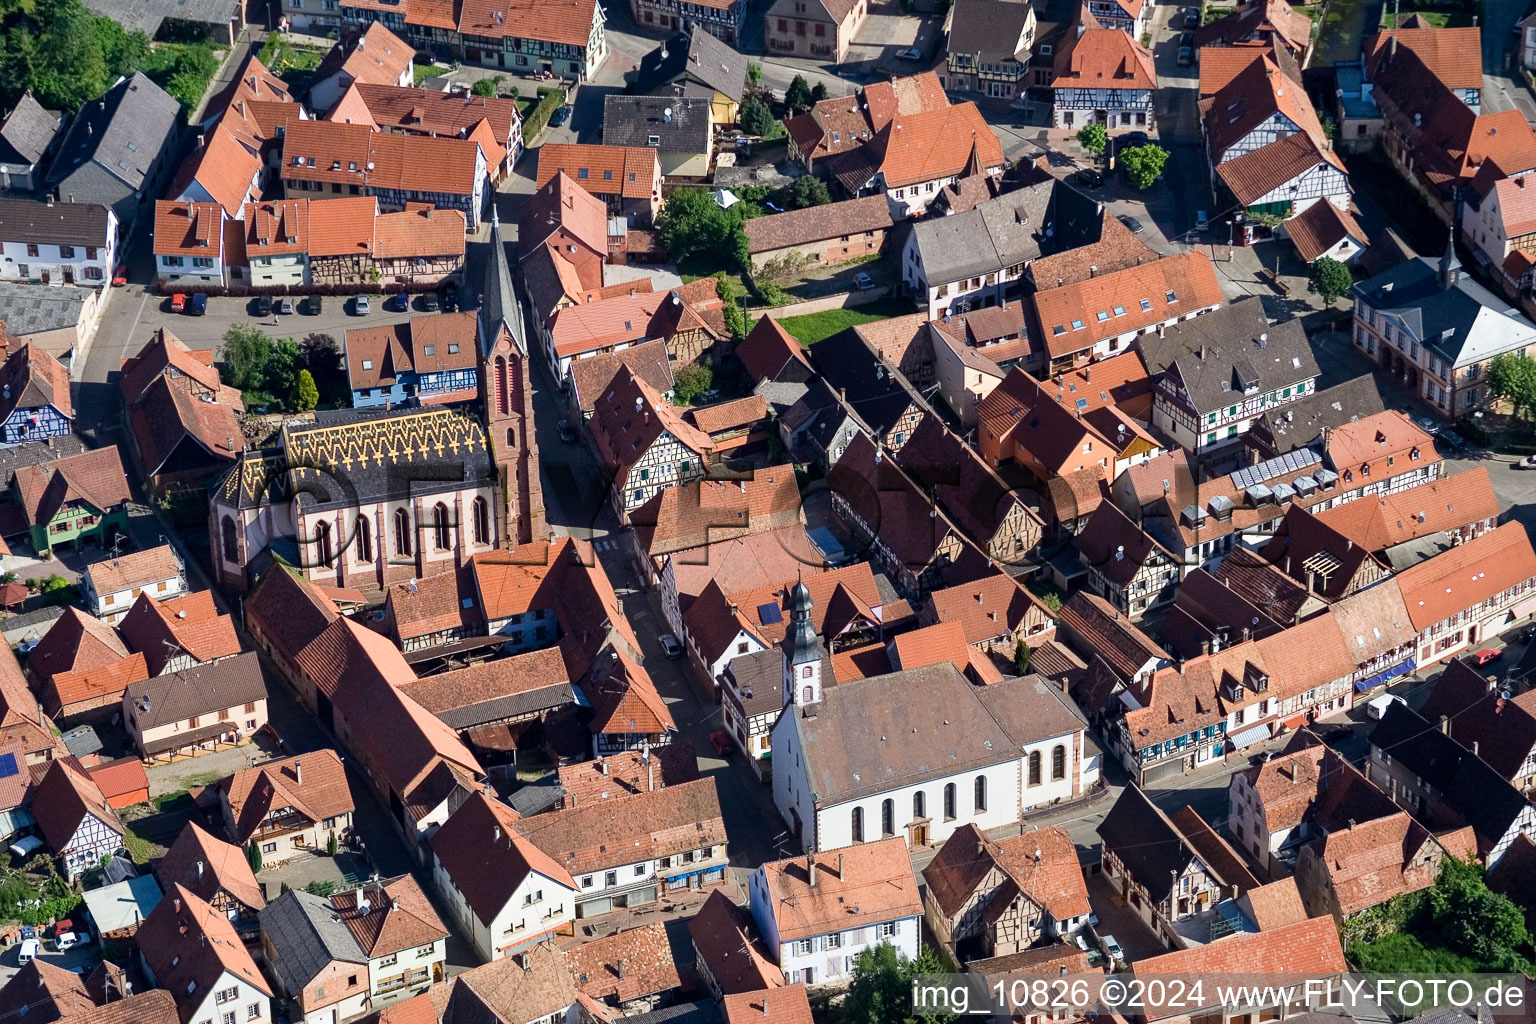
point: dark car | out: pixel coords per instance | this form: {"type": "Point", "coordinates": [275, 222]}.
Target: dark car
{"type": "Point", "coordinates": [1089, 178]}
{"type": "Point", "coordinates": [1186, 56]}
{"type": "Point", "coordinates": [450, 298]}
{"type": "Point", "coordinates": [285, 306]}
{"type": "Point", "coordinates": [263, 306]}
{"type": "Point", "coordinates": [1132, 139]}
{"type": "Point", "coordinates": [1131, 223]}
{"type": "Point", "coordinates": [400, 303]}
{"type": "Point", "coordinates": [429, 302]}
{"type": "Point", "coordinates": [314, 306]}
{"type": "Point", "coordinates": [561, 115]}
{"type": "Point", "coordinates": [567, 433]}
{"type": "Point", "coordinates": [199, 304]}
{"type": "Point", "coordinates": [1192, 18]}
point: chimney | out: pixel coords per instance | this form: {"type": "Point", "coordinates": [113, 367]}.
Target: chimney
{"type": "Point", "coordinates": [495, 833]}
{"type": "Point", "coordinates": [1205, 647]}
{"type": "Point", "coordinates": [840, 876]}
{"type": "Point", "coordinates": [199, 869]}
{"type": "Point", "coordinates": [298, 773]}
{"type": "Point", "coordinates": [1445, 725]}
{"type": "Point", "coordinates": [810, 868]}
{"type": "Point", "coordinates": [619, 966]}
{"type": "Point", "coordinates": [1474, 748]}
{"type": "Point", "coordinates": [602, 767]}
{"type": "Point", "coordinates": [1247, 632]}
{"type": "Point", "coordinates": [50, 201]}
{"type": "Point", "coordinates": [650, 777]}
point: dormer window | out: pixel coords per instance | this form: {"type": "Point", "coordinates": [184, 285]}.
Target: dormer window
{"type": "Point", "coordinates": [655, 140]}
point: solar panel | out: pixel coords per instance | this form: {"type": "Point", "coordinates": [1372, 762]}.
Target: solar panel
{"type": "Point", "coordinates": [7, 765]}
{"type": "Point", "coordinates": [769, 613]}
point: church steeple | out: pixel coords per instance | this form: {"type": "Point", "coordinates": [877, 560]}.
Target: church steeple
{"type": "Point", "coordinates": [1450, 266]}
{"type": "Point", "coordinates": [801, 650]}
{"type": "Point", "coordinates": [499, 309]}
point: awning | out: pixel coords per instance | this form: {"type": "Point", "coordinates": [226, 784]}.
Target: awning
{"type": "Point", "coordinates": [1371, 682]}
{"type": "Point", "coordinates": [182, 740]}
{"type": "Point", "coordinates": [1293, 723]}
{"type": "Point", "coordinates": [1249, 736]}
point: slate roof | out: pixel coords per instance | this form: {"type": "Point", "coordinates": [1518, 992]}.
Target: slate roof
{"type": "Point", "coordinates": [1503, 730]}
{"type": "Point", "coordinates": [1303, 422]}
{"type": "Point", "coordinates": [307, 939]}
{"type": "Point", "coordinates": [50, 223]}
{"type": "Point", "coordinates": [633, 120]}
{"type": "Point", "coordinates": [1463, 324]}
{"type": "Point", "coordinates": [695, 55]}
{"type": "Point", "coordinates": [122, 132]}
{"type": "Point", "coordinates": [1007, 230]}
{"type": "Point", "coordinates": [200, 690]}
{"type": "Point", "coordinates": [28, 131]}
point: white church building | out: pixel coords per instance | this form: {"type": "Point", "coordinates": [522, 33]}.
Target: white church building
{"type": "Point", "coordinates": [917, 753]}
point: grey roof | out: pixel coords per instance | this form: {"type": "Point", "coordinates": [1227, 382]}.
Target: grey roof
{"type": "Point", "coordinates": [759, 678]}
{"type": "Point", "coordinates": [1303, 422]}
{"type": "Point", "coordinates": [122, 131]}
{"type": "Point", "coordinates": [82, 740]}
{"type": "Point", "coordinates": [39, 308]}
{"type": "Point", "coordinates": [147, 15]}
{"type": "Point", "coordinates": [499, 306]}
{"type": "Point", "coordinates": [635, 120]}
{"type": "Point", "coordinates": [1238, 352]}
{"type": "Point", "coordinates": [705, 1011]}
{"type": "Point", "coordinates": [307, 937]}
{"type": "Point", "coordinates": [1016, 227]}
{"type": "Point", "coordinates": [877, 734]}
{"type": "Point", "coordinates": [1030, 709]}
{"type": "Point", "coordinates": [177, 696]}
{"type": "Point", "coordinates": [39, 222]}
{"type": "Point", "coordinates": [1463, 324]}
{"type": "Point", "coordinates": [879, 396]}
{"type": "Point", "coordinates": [27, 132]}
{"type": "Point", "coordinates": [123, 904]}
{"type": "Point", "coordinates": [992, 28]}
{"type": "Point", "coordinates": [537, 797]}
{"type": "Point", "coordinates": [693, 56]}
{"type": "Point", "coordinates": [516, 705]}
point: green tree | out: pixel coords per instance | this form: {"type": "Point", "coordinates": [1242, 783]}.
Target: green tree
{"type": "Point", "coordinates": [1144, 164]}
{"type": "Point", "coordinates": [305, 397]}
{"type": "Point", "coordinates": [253, 854]}
{"type": "Point", "coordinates": [332, 845]}
{"type": "Point", "coordinates": [282, 370]}
{"type": "Point", "coordinates": [735, 315]}
{"type": "Point", "coordinates": [693, 226]}
{"type": "Point", "coordinates": [1328, 278]}
{"type": "Point", "coordinates": [1475, 921]}
{"type": "Point", "coordinates": [1094, 138]}
{"type": "Point", "coordinates": [322, 355]}
{"type": "Point", "coordinates": [486, 86]}
{"type": "Point", "coordinates": [818, 92]}
{"type": "Point", "coordinates": [1021, 657]}
{"type": "Point", "coordinates": [754, 74]}
{"type": "Point", "coordinates": [808, 190]}
{"type": "Point", "coordinates": [691, 381]}
{"type": "Point", "coordinates": [1512, 377]}
{"type": "Point", "coordinates": [798, 96]}
{"type": "Point", "coordinates": [756, 118]}
{"type": "Point", "coordinates": [246, 354]}
{"type": "Point", "coordinates": [880, 991]}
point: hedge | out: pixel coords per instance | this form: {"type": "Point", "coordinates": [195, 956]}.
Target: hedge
{"type": "Point", "coordinates": [549, 101]}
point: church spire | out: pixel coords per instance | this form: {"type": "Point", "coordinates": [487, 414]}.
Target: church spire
{"type": "Point", "coordinates": [1450, 266]}
{"type": "Point", "coordinates": [802, 650]}
{"type": "Point", "coordinates": [499, 308]}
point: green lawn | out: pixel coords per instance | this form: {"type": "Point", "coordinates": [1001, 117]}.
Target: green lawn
{"type": "Point", "coordinates": [1404, 952]}
{"type": "Point", "coordinates": [813, 327]}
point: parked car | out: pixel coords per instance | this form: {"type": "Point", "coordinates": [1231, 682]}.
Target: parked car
{"type": "Point", "coordinates": [567, 433]}
{"type": "Point", "coordinates": [1131, 139]}
{"type": "Point", "coordinates": [1187, 39]}
{"type": "Point", "coordinates": [262, 306]}
{"type": "Point", "coordinates": [361, 306]}
{"type": "Point", "coordinates": [1186, 56]}
{"type": "Point", "coordinates": [561, 115]}
{"type": "Point", "coordinates": [1529, 462]}
{"type": "Point", "coordinates": [1132, 225]}
{"type": "Point", "coordinates": [199, 304]}
{"type": "Point", "coordinates": [285, 306]}
{"type": "Point", "coordinates": [66, 941]}
{"type": "Point", "coordinates": [450, 298]}
{"type": "Point", "coordinates": [1112, 948]}
{"type": "Point", "coordinates": [401, 302]}
{"type": "Point", "coordinates": [1192, 18]}
{"type": "Point", "coordinates": [1089, 178]}
{"type": "Point", "coordinates": [28, 952]}
{"type": "Point", "coordinates": [120, 275]}
{"type": "Point", "coordinates": [178, 303]}
{"type": "Point", "coordinates": [864, 281]}
{"type": "Point", "coordinates": [314, 305]}
{"type": "Point", "coordinates": [429, 302]}
{"type": "Point", "coordinates": [910, 53]}
{"type": "Point", "coordinates": [1489, 654]}
{"type": "Point", "coordinates": [671, 646]}
{"type": "Point", "coordinates": [1455, 440]}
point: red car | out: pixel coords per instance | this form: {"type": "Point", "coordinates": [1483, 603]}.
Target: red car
{"type": "Point", "coordinates": [120, 275]}
{"type": "Point", "coordinates": [178, 303]}
{"type": "Point", "coordinates": [1489, 654]}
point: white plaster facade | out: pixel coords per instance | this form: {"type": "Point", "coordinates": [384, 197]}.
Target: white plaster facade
{"type": "Point", "coordinates": [536, 909]}
{"type": "Point", "coordinates": [827, 959]}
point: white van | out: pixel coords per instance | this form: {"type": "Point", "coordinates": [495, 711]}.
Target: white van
{"type": "Point", "coordinates": [28, 952]}
{"type": "Point", "coordinates": [66, 941]}
{"type": "Point", "coordinates": [1377, 706]}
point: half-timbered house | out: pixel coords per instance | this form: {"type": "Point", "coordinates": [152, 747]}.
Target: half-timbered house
{"type": "Point", "coordinates": [1104, 76]}
{"type": "Point", "coordinates": [34, 402]}
{"type": "Point", "coordinates": [76, 821]}
{"type": "Point", "coordinates": [645, 442]}
{"type": "Point", "coordinates": [214, 871]}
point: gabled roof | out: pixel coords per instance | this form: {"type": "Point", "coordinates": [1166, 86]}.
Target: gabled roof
{"type": "Point", "coordinates": [630, 171]}
{"type": "Point", "coordinates": [1042, 864]}
{"type": "Point", "coordinates": [224, 168]}
{"type": "Point", "coordinates": [1320, 227]}
{"type": "Point", "coordinates": [1257, 18]}
{"type": "Point", "coordinates": [723, 935]}
{"type": "Point", "coordinates": [44, 992]}
{"type": "Point", "coordinates": [1381, 521]}
{"type": "Point", "coordinates": [76, 642]}
{"type": "Point", "coordinates": [121, 132]}
{"type": "Point", "coordinates": [134, 569]}
{"type": "Point", "coordinates": [628, 964]}
{"type": "Point", "coordinates": [206, 865]}
{"type": "Point", "coordinates": [563, 203]}
{"type": "Point", "coordinates": [1099, 628]}
{"type": "Point", "coordinates": [1451, 55]}
{"type": "Point", "coordinates": [62, 802]}
{"type": "Point", "coordinates": [1105, 58]}
{"type": "Point", "coordinates": [1255, 94]}
{"type": "Point", "coordinates": [191, 948]}
{"type": "Point", "coordinates": [624, 700]}
{"type": "Point", "coordinates": [388, 916]}
{"type": "Point", "coordinates": [377, 55]}
{"type": "Point", "coordinates": [846, 219]}
{"type": "Point", "coordinates": [702, 512]}
{"type": "Point", "coordinates": [660, 823]}
{"type": "Point", "coordinates": [693, 56]}
{"type": "Point", "coordinates": [201, 690]}
{"type": "Point", "coordinates": [635, 120]}
{"type": "Point", "coordinates": [984, 609]}
{"type": "Point", "coordinates": [1151, 846]}
{"type": "Point", "coordinates": [991, 30]}
{"type": "Point", "coordinates": [314, 784]}
{"type": "Point", "coordinates": [28, 131]}
{"type": "Point", "coordinates": [165, 354]}
{"type": "Point", "coordinates": [1270, 168]}
{"type": "Point", "coordinates": [1468, 574]}
{"type": "Point", "coordinates": [1076, 316]}
{"type": "Point", "coordinates": [591, 375]}
{"type": "Point", "coordinates": [487, 857]}
{"type": "Point", "coordinates": [50, 223]}
{"type": "Point", "coordinates": [631, 416]}
{"type": "Point", "coordinates": [95, 478]}
{"type": "Point", "coordinates": [1308, 947]}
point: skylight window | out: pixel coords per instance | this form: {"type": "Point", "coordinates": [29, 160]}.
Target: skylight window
{"type": "Point", "coordinates": [1059, 329]}
{"type": "Point", "coordinates": [1119, 311]}
{"type": "Point", "coordinates": [1077, 325]}
{"type": "Point", "coordinates": [367, 364]}
{"type": "Point", "coordinates": [430, 350]}
{"type": "Point", "coordinates": [1102, 316]}
{"type": "Point", "coordinates": [1171, 295]}
{"type": "Point", "coordinates": [1146, 305]}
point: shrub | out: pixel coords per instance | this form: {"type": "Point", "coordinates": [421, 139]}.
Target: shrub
{"type": "Point", "coordinates": [487, 86]}
{"type": "Point", "coordinates": [691, 381]}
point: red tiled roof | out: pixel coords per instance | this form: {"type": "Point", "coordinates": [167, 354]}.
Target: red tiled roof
{"type": "Point", "coordinates": [351, 154]}
{"type": "Point", "coordinates": [1105, 58]}
{"type": "Point", "coordinates": [482, 850]}
{"type": "Point", "coordinates": [942, 641]}
{"type": "Point", "coordinates": [661, 823]}
{"type": "Point", "coordinates": [69, 688]}
{"type": "Point", "coordinates": [722, 933]}
{"type": "Point", "coordinates": [1517, 204]}
{"type": "Point", "coordinates": [708, 511]}
{"type": "Point", "coordinates": [591, 375]}
{"type": "Point", "coordinates": [64, 799]}
{"type": "Point", "coordinates": [1467, 575]}
{"type": "Point", "coordinates": [224, 168]}
{"type": "Point", "coordinates": [787, 1005]}
{"type": "Point", "coordinates": [767, 348]}
{"type": "Point", "coordinates": [1452, 55]}
{"type": "Point", "coordinates": [626, 965]}
{"type": "Point", "coordinates": [937, 144]}
{"type": "Point", "coordinates": [1261, 171]}
{"type": "Point", "coordinates": [1380, 521]}
{"type": "Point", "coordinates": [1189, 277]}
{"type": "Point", "coordinates": [313, 783]}
{"type": "Point", "coordinates": [1308, 947]}
{"type": "Point", "coordinates": [1320, 227]}
{"type": "Point", "coordinates": [191, 623]}
{"type": "Point", "coordinates": [630, 416]}
{"type": "Point", "coordinates": [630, 171]}
{"type": "Point", "coordinates": [1255, 94]}
{"type": "Point", "coordinates": [418, 230]}
{"type": "Point", "coordinates": [861, 885]}
{"type": "Point", "coordinates": [76, 642]}
{"type": "Point", "coordinates": [399, 916]}
{"type": "Point", "coordinates": [95, 478]}
{"type": "Point", "coordinates": [379, 56]}
{"type": "Point", "coordinates": [121, 781]}
{"type": "Point", "coordinates": [205, 865]}
{"type": "Point", "coordinates": [188, 229]}
{"type": "Point", "coordinates": [191, 948]}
